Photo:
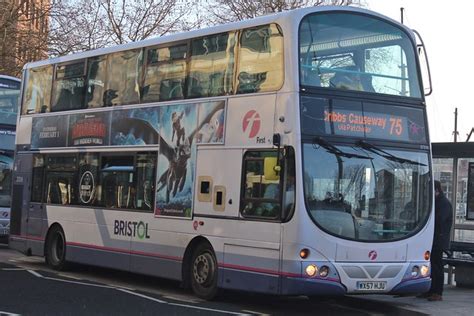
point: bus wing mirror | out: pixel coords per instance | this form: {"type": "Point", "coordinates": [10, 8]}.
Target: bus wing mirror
{"type": "Point", "coordinates": [276, 140]}
{"type": "Point", "coordinates": [421, 49]}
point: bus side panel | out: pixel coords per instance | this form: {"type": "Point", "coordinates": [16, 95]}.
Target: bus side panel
{"type": "Point", "coordinates": [95, 236]}
{"type": "Point", "coordinates": [160, 253]}
{"type": "Point", "coordinates": [246, 265]}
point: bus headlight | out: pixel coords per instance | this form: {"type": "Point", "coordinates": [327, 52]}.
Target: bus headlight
{"type": "Point", "coordinates": [311, 270]}
{"type": "Point", "coordinates": [324, 271]}
{"type": "Point", "coordinates": [415, 271]}
{"type": "Point", "coordinates": [424, 271]}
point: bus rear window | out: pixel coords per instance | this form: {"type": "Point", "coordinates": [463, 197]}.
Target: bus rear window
{"type": "Point", "coordinates": [38, 90]}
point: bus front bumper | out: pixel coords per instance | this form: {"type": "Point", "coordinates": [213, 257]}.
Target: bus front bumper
{"type": "Point", "coordinates": [311, 286]}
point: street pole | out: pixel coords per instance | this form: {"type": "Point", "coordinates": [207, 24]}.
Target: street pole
{"type": "Point", "coordinates": [456, 133]}
{"type": "Point", "coordinates": [455, 189]}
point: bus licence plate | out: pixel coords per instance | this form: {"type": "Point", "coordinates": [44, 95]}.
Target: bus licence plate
{"type": "Point", "coordinates": [371, 285]}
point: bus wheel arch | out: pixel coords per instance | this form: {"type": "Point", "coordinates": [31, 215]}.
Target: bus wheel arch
{"type": "Point", "coordinates": [55, 247]}
{"type": "Point", "coordinates": [200, 268]}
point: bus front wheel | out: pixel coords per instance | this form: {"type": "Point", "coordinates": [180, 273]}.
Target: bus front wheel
{"type": "Point", "coordinates": [55, 251]}
{"type": "Point", "coordinates": [203, 272]}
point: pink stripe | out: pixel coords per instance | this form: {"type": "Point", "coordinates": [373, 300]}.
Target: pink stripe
{"type": "Point", "coordinates": [27, 237]}
{"type": "Point", "coordinates": [155, 255]}
{"type": "Point", "coordinates": [273, 272]}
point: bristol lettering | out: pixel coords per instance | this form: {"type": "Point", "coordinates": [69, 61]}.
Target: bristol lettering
{"type": "Point", "coordinates": [131, 229]}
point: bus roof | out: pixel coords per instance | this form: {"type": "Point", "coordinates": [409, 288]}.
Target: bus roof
{"type": "Point", "coordinates": [296, 14]}
{"type": "Point", "coordinates": [10, 78]}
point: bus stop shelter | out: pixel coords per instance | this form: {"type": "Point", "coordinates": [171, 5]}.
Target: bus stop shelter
{"type": "Point", "coordinates": [453, 166]}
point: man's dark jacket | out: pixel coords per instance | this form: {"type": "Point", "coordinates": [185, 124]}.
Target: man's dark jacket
{"type": "Point", "coordinates": [443, 222]}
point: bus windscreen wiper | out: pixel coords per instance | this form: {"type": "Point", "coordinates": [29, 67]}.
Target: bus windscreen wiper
{"type": "Point", "coordinates": [334, 150]}
{"type": "Point", "coordinates": [379, 151]}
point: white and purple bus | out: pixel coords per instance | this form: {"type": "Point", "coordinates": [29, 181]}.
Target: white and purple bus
{"type": "Point", "coordinates": [288, 154]}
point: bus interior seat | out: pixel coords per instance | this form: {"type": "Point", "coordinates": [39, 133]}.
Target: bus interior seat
{"type": "Point", "coordinates": [366, 81]}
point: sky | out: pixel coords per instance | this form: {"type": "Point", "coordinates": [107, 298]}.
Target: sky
{"type": "Point", "coordinates": [447, 30]}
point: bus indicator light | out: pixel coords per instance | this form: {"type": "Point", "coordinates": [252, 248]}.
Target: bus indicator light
{"type": "Point", "coordinates": [304, 253]}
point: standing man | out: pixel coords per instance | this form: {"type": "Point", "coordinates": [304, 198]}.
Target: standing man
{"type": "Point", "coordinates": [442, 234]}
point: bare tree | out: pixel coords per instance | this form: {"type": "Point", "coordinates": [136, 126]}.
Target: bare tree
{"type": "Point", "coordinates": [80, 25]}
{"type": "Point", "coordinates": [77, 26]}
{"type": "Point", "coordinates": [23, 27]}
{"type": "Point", "coordinates": [236, 10]}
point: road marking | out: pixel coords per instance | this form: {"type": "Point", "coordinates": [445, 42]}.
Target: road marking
{"type": "Point", "coordinates": [142, 296]}
{"type": "Point", "coordinates": [180, 305]}
{"type": "Point", "coordinates": [69, 276]}
{"type": "Point", "coordinates": [8, 314]}
{"type": "Point", "coordinates": [13, 269]}
{"type": "Point", "coordinates": [183, 299]}
{"type": "Point", "coordinates": [36, 274]}
{"type": "Point", "coordinates": [80, 283]}
{"type": "Point", "coordinates": [255, 313]}
{"type": "Point", "coordinates": [209, 309]}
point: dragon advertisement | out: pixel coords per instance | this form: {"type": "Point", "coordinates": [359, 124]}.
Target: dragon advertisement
{"type": "Point", "coordinates": [183, 126]}
{"type": "Point", "coordinates": [175, 130]}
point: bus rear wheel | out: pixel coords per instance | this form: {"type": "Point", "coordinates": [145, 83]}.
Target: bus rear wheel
{"type": "Point", "coordinates": [55, 251]}
{"type": "Point", "coordinates": [203, 272]}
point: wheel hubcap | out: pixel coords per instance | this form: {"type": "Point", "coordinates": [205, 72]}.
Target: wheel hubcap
{"type": "Point", "coordinates": [203, 268]}
{"type": "Point", "coordinates": [58, 248]}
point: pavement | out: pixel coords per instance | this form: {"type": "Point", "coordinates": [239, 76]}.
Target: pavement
{"type": "Point", "coordinates": [456, 301]}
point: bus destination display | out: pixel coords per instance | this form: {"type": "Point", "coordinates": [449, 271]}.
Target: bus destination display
{"type": "Point", "coordinates": [368, 124]}
{"type": "Point", "coordinates": [320, 116]}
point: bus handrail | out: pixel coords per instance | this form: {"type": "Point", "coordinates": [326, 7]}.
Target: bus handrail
{"type": "Point", "coordinates": [338, 70]}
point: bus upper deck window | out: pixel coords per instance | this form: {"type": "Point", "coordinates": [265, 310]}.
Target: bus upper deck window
{"type": "Point", "coordinates": [123, 75]}
{"type": "Point", "coordinates": [260, 63]}
{"type": "Point", "coordinates": [37, 95]}
{"type": "Point", "coordinates": [96, 74]}
{"type": "Point", "coordinates": [68, 87]}
{"type": "Point", "coordinates": [355, 52]}
{"type": "Point", "coordinates": [165, 73]}
{"type": "Point", "coordinates": [211, 66]}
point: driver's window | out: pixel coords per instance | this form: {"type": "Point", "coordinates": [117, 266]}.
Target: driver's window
{"type": "Point", "coordinates": [261, 185]}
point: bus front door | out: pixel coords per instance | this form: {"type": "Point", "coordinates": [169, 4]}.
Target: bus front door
{"type": "Point", "coordinates": [26, 226]}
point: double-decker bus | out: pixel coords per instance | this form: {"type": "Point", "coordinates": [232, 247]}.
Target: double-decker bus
{"type": "Point", "coordinates": [9, 93]}
{"type": "Point", "coordinates": [288, 154]}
